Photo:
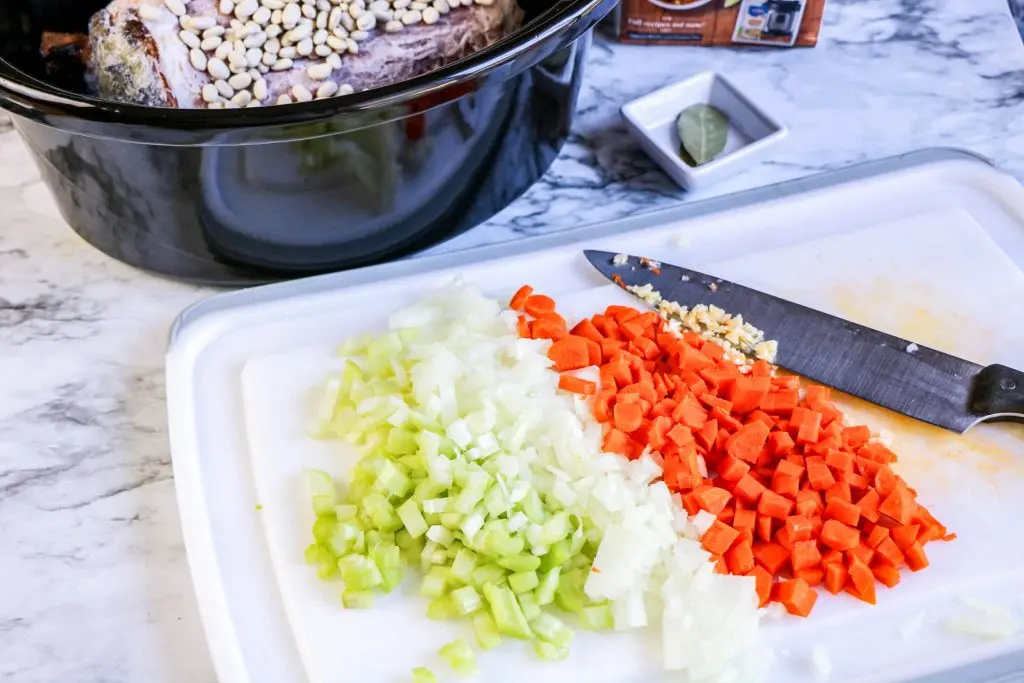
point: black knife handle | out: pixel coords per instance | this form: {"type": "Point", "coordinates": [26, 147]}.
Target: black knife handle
{"type": "Point", "coordinates": [999, 390]}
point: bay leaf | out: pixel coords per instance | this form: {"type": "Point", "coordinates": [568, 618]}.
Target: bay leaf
{"type": "Point", "coordinates": [703, 130]}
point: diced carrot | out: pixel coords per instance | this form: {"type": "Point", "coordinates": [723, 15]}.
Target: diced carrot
{"type": "Point", "coordinates": [899, 506]}
{"type": "Point", "coordinates": [876, 451]}
{"type": "Point", "coordinates": [805, 554]}
{"type": "Point", "coordinates": [713, 499]}
{"type": "Point", "coordinates": [781, 402]}
{"type": "Point", "coordinates": [569, 353]}
{"type": "Point", "coordinates": [843, 511]}
{"type": "Point", "coordinates": [885, 481]}
{"type": "Point", "coordinates": [839, 461]}
{"type": "Point", "coordinates": [708, 433]}
{"type": "Point", "coordinates": [915, 558]}
{"type": "Point", "coordinates": [748, 441]}
{"type": "Point", "coordinates": [831, 555]}
{"type": "Point", "coordinates": [538, 304]}
{"type": "Point", "coordinates": [518, 299]}
{"type": "Point", "coordinates": [886, 574]}
{"type": "Point", "coordinates": [763, 528]}
{"type": "Point", "coordinates": [905, 536]}
{"type": "Point", "coordinates": [780, 442]}
{"type": "Point", "coordinates": [890, 552]}
{"type": "Point", "coordinates": [747, 393]}
{"type": "Point", "coordinates": [876, 536]}
{"type": "Point", "coordinates": [749, 489]}
{"type": "Point", "coordinates": [798, 527]}
{"type": "Point", "coordinates": [855, 437]}
{"type": "Point", "coordinates": [772, 557]}
{"type": "Point", "coordinates": [819, 476]}
{"type": "Point", "coordinates": [812, 575]}
{"type": "Point", "coordinates": [785, 484]}
{"type": "Point", "coordinates": [732, 469]}
{"type": "Point", "coordinates": [772, 504]}
{"type": "Point", "coordinates": [862, 553]}
{"type": "Point", "coordinates": [576, 385]}
{"type": "Point", "coordinates": [868, 505]}
{"type": "Point", "coordinates": [523, 327]}
{"type": "Point", "coordinates": [690, 413]}
{"type": "Point", "coordinates": [863, 580]}
{"type": "Point", "coordinates": [719, 538]}
{"type": "Point", "coordinates": [586, 329]}
{"type": "Point", "coordinates": [835, 577]}
{"type": "Point", "coordinates": [615, 442]}
{"type": "Point", "coordinates": [740, 558]}
{"type": "Point", "coordinates": [797, 596]}
{"type": "Point", "coordinates": [744, 519]}
{"type": "Point", "coordinates": [840, 490]}
{"type": "Point", "coordinates": [763, 583]}
{"type": "Point", "coordinates": [627, 416]}
{"type": "Point", "coordinates": [725, 421]}
{"type": "Point", "coordinates": [839, 536]}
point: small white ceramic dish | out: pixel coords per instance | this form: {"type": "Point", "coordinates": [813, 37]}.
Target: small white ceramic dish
{"type": "Point", "coordinates": [652, 121]}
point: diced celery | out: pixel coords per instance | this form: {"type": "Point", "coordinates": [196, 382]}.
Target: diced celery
{"type": "Point", "coordinates": [392, 481]}
{"type": "Point", "coordinates": [548, 651]}
{"type": "Point", "coordinates": [441, 609]}
{"type": "Point", "coordinates": [548, 585]}
{"type": "Point", "coordinates": [520, 563]}
{"type": "Point", "coordinates": [506, 611]}
{"type": "Point", "coordinates": [400, 442]}
{"type": "Point", "coordinates": [521, 582]}
{"type": "Point", "coordinates": [322, 491]}
{"type": "Point", "coordinates": [489, 573]}
{"type": "Point", "coordinates": [323, 560]}
{"type": "Point", "coordinates": [558, 554]}
{"type": "Point", "coordinates": [464, 564]}
{"type": "Point", "coordinates": [391, 579]}
{"type": "Point", "coordinates": [357, 599]}
{"type": "Point", "coordinates": [597, 617]}
{"type": "Point", "coordinates": [570, 596]}
{"type": "Point", "coordinates": [533, 508]}
{"type": "Point", "coordinates": [421, 674]}
{"type": "Point", "coordinates": [495, 502]}
{"type": "Point", "coordinates": [555, 529]}
{"type": "Point", "coordinates": [528, 604]}
{"type": "Point", "coordinates": [460, 656]}
{"type": "Point", "coordinates": [359, 572]}
{"type": "Point", "coordinates": [412, 519]}
{"type": "Point", "coordinates": [346, 513]}
{"type": "Point", "coordinates": [387, 556]}
{"type": "Point", "coordinates": [550, 628]}
{"type": "Point", "coordinates": [487, 635]}
{"type": "Point", "coordinates": [434, 583]}
{"type": "Point", "coordinates": [466, 600]}
{"type": "Point", "coordinates": [440, 535]}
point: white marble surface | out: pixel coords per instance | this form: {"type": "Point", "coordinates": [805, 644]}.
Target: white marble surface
{"type": "Point", "coordinates": [94, 586]}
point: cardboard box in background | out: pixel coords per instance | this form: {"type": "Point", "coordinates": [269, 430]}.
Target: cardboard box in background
{"type": "Point", "coordinates": [777, 23]}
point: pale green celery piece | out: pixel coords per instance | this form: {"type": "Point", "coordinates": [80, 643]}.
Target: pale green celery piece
{"type": "Point", "coordinates": [557, 555]}
{"type": "Point", "coordinates": [412, 519]}
{"type": "Point", "coordinates": [548, 651]}
{"type": "Point", "coordinates": [322, 491]}
{"type": "Point", "coordinates": [441, 535]}
{"type": "Point", "coordinates": [346, 513]}
{"type": "Point", "coordinates": [401, 442]}
{"type": "Point", "coordinates": [357, 599]}
{"type": "Point", "coordinates": [548, 585]}
{"type": "Point", "coordinates": [460, 656]}
{"type": "Point", "coordinates": [344, 419]}
{"type": "Point", "coordinates": [555, 529]}
{"type": "Point", "coordinates": [528, 604]}
{"type": "Point", "coordinates": [466, 600]}
{"type": "Point", "coordinates": [533, 508]}
{"type": "Point", "coordinates": [522, 582]}
{"type": "Point", "coordinates": [550, 628]}
{"type": "Point", "coordinates": [429, 490]}
{"type": "Point", "coordinates": [387, 556]}
{"type": "Point", "coordinates": [416, 467]}
{"type": "Point", "coordinates": [359, 572]}
{"type": "Point", "coordinates": [375, 538]}
{"type": "Point", "coordinates": [391, 578]}
{"type": "Point", "coordinates": [505, 544]}
{"type": "Point", "coordinates": [464, 564]}
{"type": "Point", "coordinates": [578, 537]}
{"type": "Point", "coordinates": [495, 502]}
{"type": "Point", "coordinates": [450, 520]}
{"type": "Point", "coordinates": [570, 596]}
{"type": "Point", "coordinates": [422, 674]}
{"type": "Point", "coordinates": [434, 583]}
{"type": "Point", "coordinates": [520, 563]}
{"type": "Point", "coordinates": [393, 482]}
{"type": "Point", "coordinates": [321, 558]}
{"type": "Point", "coordinates": [428, 444]}
{"type": "Point", "coordinates": [505, 610]}
{"type": "Point", "coordinates": [487, 634]}
{"type": "Point", "coordinates": [489, 573]}
{"type": "Point", "coordinates": [442, 609]}
{"type": "Point", "coordinates": [343, 538]}
{"type": "Point", "coordinates": [467, 499]}
{"type": "Point", "coordinates": [597, 617]}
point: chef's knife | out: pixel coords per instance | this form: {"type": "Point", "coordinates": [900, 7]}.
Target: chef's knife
{"type": "Point", "coordinates": [895, 373]}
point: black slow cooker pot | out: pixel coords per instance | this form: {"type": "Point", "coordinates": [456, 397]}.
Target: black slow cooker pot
{"type": "Point", "coordinates": [242, 196]}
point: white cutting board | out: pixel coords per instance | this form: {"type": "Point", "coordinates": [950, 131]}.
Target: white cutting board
{"type": "Point", "coordinates": [935, 275]}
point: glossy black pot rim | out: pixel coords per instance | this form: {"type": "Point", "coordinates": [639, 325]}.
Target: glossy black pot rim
{"type": "Point", "coordinates": [556, 27]}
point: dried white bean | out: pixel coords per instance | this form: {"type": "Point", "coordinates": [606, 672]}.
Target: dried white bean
{"type": "Point", "coordinates": [242, 98]}
{"type": "Point", "coordinates": [186, 23]}
{"type": "Point", "coordinates": [269, 58]}
{"type": "Point", "coordinates": [335, 60]}
{"type": "Point", "coordinates": [319, 72]}
{"type": "Point", "coordinates": [321, 21]}
{"type": "Point", "coordinates": [290, 16]}
{"type": "Point", "coordinates": [273, 4]}
{"type": "Point", "coordinates": [335, 43]}
{"type": "Point", "coordinates": [254, 74]}
{"type": "Point", "coordinates": [177, 7]}
{"type": "Point", "coordinates": [379, 6]}
{"type": "Point", "coordinates": [189, 38]}
{"type": "Point", "coordinates": [431, 16]}
{"type": "Point", "coordinates": [215, 32]}
{"type": "Point", "coordinates": [417, 5]}
{"type": "Point", "coordinates": [226, 6]}
{"type": "Point", "coordinates": [222, 52]}
{"type": "Point", "coordinates": [323, 6]}
{"type": "Point", "coordinates": [259, 89]}
{"type": "Point", "coordinates": [411, 17]}
{"type": "Point", "coordinates": [246, 9]}
{"type": "Point", "coordinates": [393, 26]}
{"type": "Point", "coordinates": [149, 13]}
{"type": "Point", "coordinates": [441, 6]}
{"type": "Point", "coordinates": [340, 32]}
{"type": "Point", "coordinates": [300, 93]}
{"type": "Point", "coordinates": [218, 69]}
{"type": "Point", "coordinates": [305, 47]}
{"type": "Point", "coordinates": [367, 22]}
{"type": "Point", "coordinates": [353, 46]}
{"type": "Point", "coordinates": [225, 90]}
{"type": "Point", "coordinates": [230, 105]}
{"type": "Point", "coordinates": [309, 11]}
{"type": "Point", "coordinates": [197, 58]}
{"type": "Point", "coordinates": [210, 94]}
{"type": "Point", "coordinates": [199, 24]}
{"type": "Point", "coordinates": [398, 14]}
{"type": "Point", "coordinates": [359, 35]}
{"type": "Point", "coordinates": [287, 53]}
{"type": "Point", "coordinates": [253, 57]}
{"type": "Point", "coordinates": [274, 30]}
{"type": "Point", "coordinates": [326, 90]}
{"type": "Point", "coordinates": [345, 89]}
{"type": "Point", "coordinates": [272, 46]}
{"type": "Point", "coordinates": [323, 51]}
{"type": "Point", "coordinates": [256, 40]}
{"type": "Point", "coordinates": [212, 43]}
{"type": "Point", "coordinates": [348, 22]}
{"type": "Point", "coordinates": [320, 37]}
{"type": "Point", "coordinates": [297, 34]}
{"type": "Point", "coordinates": [334, 19]}
{"type": "Point", "coordinates": [240, 81]}
{"type": "Point", "coordinates": [263, 69]}
{"type": "Point", "coordinates": [282, 65]}
{"type": "Point", "coordinates": [215, 105]}
{"type": "Point", "coordinates": [262, 16]}
{"type": "Point", "coordinates": [401, 4]}
{"type": "Point", "coordinates": [284, 99]}
{"type": "Point", "coordinates": [355, 11]}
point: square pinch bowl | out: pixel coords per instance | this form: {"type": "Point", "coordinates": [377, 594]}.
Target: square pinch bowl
{"type": "Point", "coordinates": [651, 119]}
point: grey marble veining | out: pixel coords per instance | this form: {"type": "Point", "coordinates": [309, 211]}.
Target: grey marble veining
{"type": "Point", "coordinates": [95, 585]}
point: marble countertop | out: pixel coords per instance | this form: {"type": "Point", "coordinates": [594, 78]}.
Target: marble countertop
{"type": "Point", "coordinates": [94, 585]}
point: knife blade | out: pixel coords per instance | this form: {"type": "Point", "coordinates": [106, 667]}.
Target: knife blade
{"type": "Point", "coordinates": [895, 373]}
